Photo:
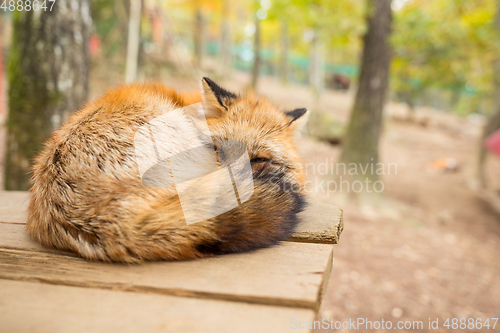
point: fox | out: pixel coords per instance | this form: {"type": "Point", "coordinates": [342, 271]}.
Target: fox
{"type": "Point", "coordinates": [87, 195]}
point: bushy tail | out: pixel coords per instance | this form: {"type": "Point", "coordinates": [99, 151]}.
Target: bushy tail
{"type": "Point", "coordinates": [159, 231]}
{"type": "Point", "coordinates": [269, 216]}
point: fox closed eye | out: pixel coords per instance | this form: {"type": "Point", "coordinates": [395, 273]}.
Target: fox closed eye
{"type": "Point", "coordinates": [260, 160]}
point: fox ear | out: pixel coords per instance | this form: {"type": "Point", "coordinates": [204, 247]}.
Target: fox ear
{"type": "Point", "coordinates": [215, 99]}
{"type": "Point", "coordinates": [298, 119]}
{"type": "Point", "coordinates": [295, 114]}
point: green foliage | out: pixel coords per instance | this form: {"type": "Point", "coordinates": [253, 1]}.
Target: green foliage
{"type": "Point", "coordinates": [110, 23]}
{"type": "Point", "coordinates": [339, 25]}
{"type": "Point", "coordinates": [446, 44]}
{"type": "Point", "coordinates": [439, 45]}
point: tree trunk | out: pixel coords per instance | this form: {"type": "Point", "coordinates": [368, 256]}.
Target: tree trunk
{"type": "Point", "coordinates": [256, 56]}
{"type": "Point", "coordinates": [2, 108]}
{"type": "Point", "coordinates": [2, 99]}
{"type": "Point", "coordinates": [493, 122]}
{"type": "Point", "coordinates": [285, 45]}
{"type": "Point", "coordinates": [225, 39]}
{"type": "Point", "coordinates": [48, 79]}
{"type": "Point", "coordinates": [134, 27]}
{"type": "Point", "coordinates": [316, 75]}
{"type": "Point", "coordinates": [199, 42]}
{"type": "Point", "coordinates": [361, 140]}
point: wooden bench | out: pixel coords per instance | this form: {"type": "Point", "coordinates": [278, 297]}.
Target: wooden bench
{"type": "Point", "coordinates": [269, 290]}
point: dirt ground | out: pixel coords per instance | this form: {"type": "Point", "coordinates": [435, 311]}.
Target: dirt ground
{"type": "Point", "coordinates": [432, 250]}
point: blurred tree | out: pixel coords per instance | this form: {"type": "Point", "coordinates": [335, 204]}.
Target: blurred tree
{"type": "Point", "coordinates": [48, 71]}
{"type": "Point", "coordinates": [199, 41]}
{"type": "Point", "coordinates": [285, 46]}
{"type": "Point", "coordinates": [450, 56]}
{"type": "Point", "coordinates": [317, 10]}
{"type": "Point", "coordinates": [316, 68]}
{"type": "Point", "coordinates": [320, 30]}
{"type": "Point", "coordinates": [2, 100]}
{"type": "Point", "coordinates": [426, 48]}
{"type": "Point", "coordinates": [256, 55]}
{"type": "Point", "coordinates": [361, 139]}
{"type": "Point", "coordinates": [134, 29]}
{"type": "Point", "coordinates": [225, 38]}
{"type": "Point", "coordinates": [493, 121]}
{"type": "Point", "coordinates": [110, 21]}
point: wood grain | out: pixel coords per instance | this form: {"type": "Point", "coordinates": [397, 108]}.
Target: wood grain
{"type": "Point", "coordinates": [290, 274]}
{"type": "Point", "coordinates": [13, 198]}
{"type": "Point", "coordinates": [35, 307]}
{"type": "Point", "coordinates": [319, 223]}
{"type": "Point", "coordinates": [13, 206]}
{"type": "Point", "coordinates": [14, 236]}
{"type": "Point", "coordinates": [47, 290]}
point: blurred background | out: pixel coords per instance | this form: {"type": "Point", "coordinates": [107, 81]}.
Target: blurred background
{"type": "Point", "coordinates": [412, 84]}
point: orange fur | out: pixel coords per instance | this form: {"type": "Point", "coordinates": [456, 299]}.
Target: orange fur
{"type": "Point", "coordinates": [87, 195]}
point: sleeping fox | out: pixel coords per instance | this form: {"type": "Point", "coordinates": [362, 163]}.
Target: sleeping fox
{"type": "Point", "coordinates": [88, 196]}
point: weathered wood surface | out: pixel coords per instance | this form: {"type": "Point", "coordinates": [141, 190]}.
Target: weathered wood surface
{"type": "Point", "coordinates": [290, 274]}
{"type": "Point", "coordinates": [44, 308]}
{"type": "Point", "coordinates": [13, 206]}
{"type": "Point", "coordinates": [320, 223]}
{"type": "Point", "coordinates": [260, 291]}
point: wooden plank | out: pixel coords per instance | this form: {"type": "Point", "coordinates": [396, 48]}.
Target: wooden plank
{"type": "Point", "coordinates": [14, 236]}
{"type": "Point", "coordinates": [13, 215]}
{"type": "Point", "coordinates": [320, 223]}
{"type": "Point", "coordinates": [13, 206]}
{"type": "Point", "coordinates": [287, 275]}
{"type": "Point", "coordinates": [13, 198]}
{"type": "Point", "coordinates": [36, 307]}
{"type": "Point", "coordinates": [290, 274]}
